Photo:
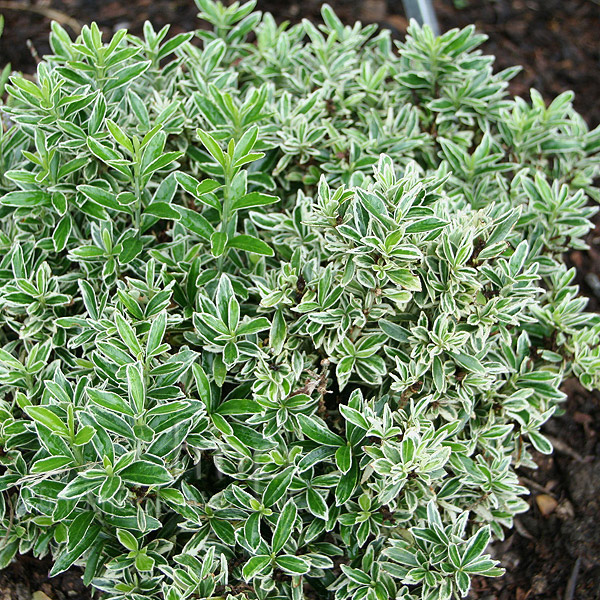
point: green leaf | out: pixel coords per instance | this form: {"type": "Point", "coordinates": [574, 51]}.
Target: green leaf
{"type": "Point", "coordinates": [136, 387]}
{"type": "Point", "coordinates": [251, 157]}
{"type": "Point", "coordinates": [253, 326]}
{"type": "Point", "coordinates": [212, 146]}
{"type": "Point", "coordinates": [102, 197]}
{"type": "Point", "coordinates": [439, 378]}
{"type": "Point", "coordinates": [278, 333]}
{"type": "Point", "coordinates": [127, 334]}
{"type": "Point", "coordinates": [255, 566]}
{"type": "Point", "coordinates": [316, 504]}
{"type": "Point", "coordinates": [468, 362]}
{"type": "Point", "coordinates": [52, 463]}
{"type": "Point", "coordinates": [162, 210]}
{"type": "Point", "coordinates": [203, 385]}
{"type": "Point", "coordinates": [356, 575]}
{"type": "Point", "coordinates": [143, 472]}
{"type": "Point", "coordinates": [104, 153]}
{"type": "Point", "coordinates": [344, 370]}
{"type": "Point", "coordinates": [249, 243]}
{"type": "Point", "coordinates": [294, 565]}
{"type": "Point", "coordinates": [24, 84]}
{"type": "Point", "coordinates": [60, 235]}
{"type": "Point", "coordinates": [126, 75]}
{"type": "Point", "coordinates": [316, 430]}
{"type": "Point", "coordinates": [80, 486]}
{"type": "Point", "coordinates": [347, 485]}
{"type": "Point", "coordinates": [476, 546]}
{"type": "Point", "coordinates": [109, 488]}
{"type": "Point", "coordinates": [132, 306]}
{"type": "Point", "coordinates": [245, 143]}
{"type": "Point", "coordinates": [153, 146]}
{"type": "Point", "coordinates": [72, 166]}
{"type": "Point", "coordinates": [252, 530]}
{"type": "Point", "coordinates": [92, 562]}
{"type": "Point", "coordinates": [119, 135]}
{"type": "Point", "coordinates": [170, 440]}
{"type": "Point", "coordinates": [354, 416]}
{"type": "Point", "coordinates": [162, 161]}
{"type": "Point", "coordinates": [127, 539]}
{"type": "Point", "coordinates": [48, 418]}
{"type": "Point", "coordinates": [174, 43]}
{"type": "Point", "coordinates": [224, 531]}
{"type": "Point", "coordinates": [254, 199]}
{"type": "Point", "coordinates": [156, 334]}
{"type": "Point", "coordinates": [8, 552]}
{"type": "Point", "coordinates": [252, 438]}
{"type": "Point", "coordinates": [68, 558]}
{"type": "Point", "coordinates": [30, 199]}
{"type": "Point", "coordinates": [503, 227]}
{"type": "Point", "coordinates": [241, 406]}
{"type": "Point", "coordinates": [110, 400]}
{"type": "Point", "coordinates": [89, 298]}
{"type": "Point", "coordinates": [230, 354]}
{"type": "Point", "coordinates": [144, 563]}
{"type": "Point", "coordinates": [285, 525]}
{"type": "Point", "coordinates": [195, 222]}
{"type": "Point", "coordinates": [278, 486]}
{"type": "Point", "coordinates": [187, 182]}
{"type": "Point", "coordinates": [406, 279]}
{"type": "Point", "coordinates": [540, 443]}
{"type": "Point", "coordinates": [111, 421]}
{"type": "Point", "coordinates": [343, 458]}
{"type": "Point", "coordinates": [218, 243]}
{"type": "Point", "coordinates": [427, 224]}
{"type": "Point", "coordinates": [78, 528]}
{"type": "Point", "coordinates": [84, 435]}
{"type": "Point", "coordinates": [206, 186]}
{"type": "Point", "coordinates": [59, 202]}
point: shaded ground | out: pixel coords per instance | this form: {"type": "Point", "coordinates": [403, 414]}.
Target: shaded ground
{"type": "Point", "coordinates": [554, 551]}
{"type": "Point", "coordinates": [27, 579]}
{"type": "Point", "coordinates": [556, 41]}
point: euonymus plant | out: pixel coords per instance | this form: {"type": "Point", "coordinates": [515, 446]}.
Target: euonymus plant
{"type": "Point", "coordinates": [282, 309]}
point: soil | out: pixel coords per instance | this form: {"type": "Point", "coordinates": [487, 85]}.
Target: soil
{"type": "Point", "coordinates": [27, 579]}
{"type": "Point", "coordinates": [554, 551]}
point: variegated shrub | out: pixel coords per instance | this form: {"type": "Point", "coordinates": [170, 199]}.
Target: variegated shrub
{"type": "Point", "coordinates": [282, 310]}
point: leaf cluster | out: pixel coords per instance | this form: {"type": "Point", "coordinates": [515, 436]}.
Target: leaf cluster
{"type": "Point", "coordinates": [282, 318]}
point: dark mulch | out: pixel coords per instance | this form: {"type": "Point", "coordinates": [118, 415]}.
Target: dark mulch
{"type": "Point", "coordinates": [27, 579]}
{"type": "Point", "coordinates": [554, 551]}
{"type": "Point", "coordinates": [556, 42]}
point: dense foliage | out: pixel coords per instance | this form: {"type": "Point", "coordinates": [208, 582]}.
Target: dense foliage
{"type": "Point", "coordinates": [280, 316]}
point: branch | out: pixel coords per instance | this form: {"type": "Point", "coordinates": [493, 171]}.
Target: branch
{"type": "Point", "coordinates": [49, 13]}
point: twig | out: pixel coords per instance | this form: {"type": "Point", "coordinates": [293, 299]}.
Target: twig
{"type": "Point", "coordinates": [34, 52]}
{"type": "Point", "coordinates": [530, 483]}
{"type": "Point", "coordinates": [572, 583]}
{"type": "Point", "coordinates": [521, 530]}
{"type": "Point", "coordinates": [309, 387]}
{"type": "Point", "coordinates": [563, 448]}
{"type": "Point", "coordinates": [322, 387]}
{"type": "Point", "coordinates": [49, 13]}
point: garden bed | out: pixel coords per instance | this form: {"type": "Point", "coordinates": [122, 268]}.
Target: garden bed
{"type": "Point", "coordinates": [554, 551]}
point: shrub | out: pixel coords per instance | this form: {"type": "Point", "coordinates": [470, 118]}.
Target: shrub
{"type": "Point", "coordinates": [282, 318]}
